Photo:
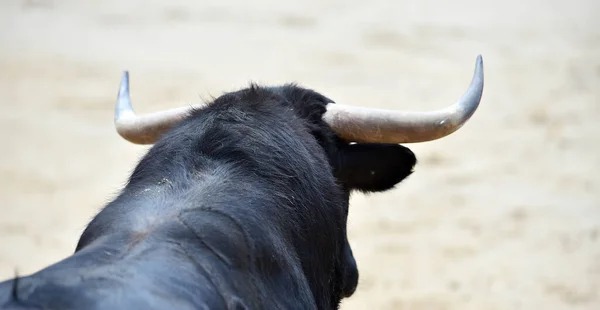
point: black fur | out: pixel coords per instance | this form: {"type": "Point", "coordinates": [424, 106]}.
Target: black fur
{"type": "Point", "coordinates": [15, 288]}
{"type": "Point", "coordinates": [241, 206]}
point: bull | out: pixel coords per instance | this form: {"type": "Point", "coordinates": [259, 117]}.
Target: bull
{"type": "Point", "coordinates": [240, 203]}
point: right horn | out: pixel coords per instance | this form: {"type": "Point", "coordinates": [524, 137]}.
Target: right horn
{"type": "Point", "coordinates": [367, 125]}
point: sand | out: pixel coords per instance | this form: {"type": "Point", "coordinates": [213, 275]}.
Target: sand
{"type": "Point", "coordinates": [504, 214]}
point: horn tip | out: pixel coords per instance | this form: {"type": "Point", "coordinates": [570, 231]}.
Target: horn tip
{"type": "Point", "coordinates": [123, 106]}
{"type": "Point", "coordinates": [478, 74]}
{"type": "Point", "coordinates": [125, 80]}
{"type": "Point", "coordinates": [479, 63]}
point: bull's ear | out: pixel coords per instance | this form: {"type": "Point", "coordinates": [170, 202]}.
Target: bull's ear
{"type": "Point", "coordinates": [374, 167]}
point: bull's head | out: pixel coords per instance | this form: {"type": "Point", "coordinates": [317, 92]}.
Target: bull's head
{"type": "Point", "coordinates": [352, 123]}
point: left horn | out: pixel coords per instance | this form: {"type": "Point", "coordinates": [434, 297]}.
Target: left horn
{"type": "Point", "coordinates": [144, 129]}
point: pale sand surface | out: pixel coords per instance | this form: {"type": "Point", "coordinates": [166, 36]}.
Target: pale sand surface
{"type": "Point", "coordinates": [505, 214]}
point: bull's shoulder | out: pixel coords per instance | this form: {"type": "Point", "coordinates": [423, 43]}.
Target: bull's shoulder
{"type": "Point", "coordinates": [247, 256]}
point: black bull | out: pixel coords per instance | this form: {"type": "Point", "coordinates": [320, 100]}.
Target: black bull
{"type": "Point", "coordinates": [242, 205]}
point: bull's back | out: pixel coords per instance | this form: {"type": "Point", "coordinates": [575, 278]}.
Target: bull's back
{"type": "Point", "coordinates": [97, 278]}
{"type": "Point", "coordinates": [201, 261]}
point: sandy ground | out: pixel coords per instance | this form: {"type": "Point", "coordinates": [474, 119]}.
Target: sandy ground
{"type": "Point", "coordinates": [505, 214]}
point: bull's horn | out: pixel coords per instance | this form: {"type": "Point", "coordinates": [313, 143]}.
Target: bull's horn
{"type": "Point", "coordinates": [358, 124]}
{"type": "Point", "coordinates": [144, 129]}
